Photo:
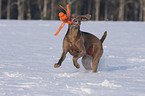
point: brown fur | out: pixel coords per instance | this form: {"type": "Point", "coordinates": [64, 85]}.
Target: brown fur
{"type": "Point", "coordinates": [82, 44]}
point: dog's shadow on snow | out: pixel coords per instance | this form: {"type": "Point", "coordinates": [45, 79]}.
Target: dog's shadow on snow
{"type": "Point", "coordinates": [110, 69]}
{"type": "Point", "coordinates": [103, 66]}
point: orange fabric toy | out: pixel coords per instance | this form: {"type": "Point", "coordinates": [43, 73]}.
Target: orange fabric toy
{"type": "Point", "coordinates": [63, 17]}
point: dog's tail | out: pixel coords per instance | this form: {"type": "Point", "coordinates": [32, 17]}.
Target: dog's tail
{"type": "Point", "coordinates": [103, 37]}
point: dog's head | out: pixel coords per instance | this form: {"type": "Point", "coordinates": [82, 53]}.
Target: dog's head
{"type": "Point", "coordinates": [76, 19]}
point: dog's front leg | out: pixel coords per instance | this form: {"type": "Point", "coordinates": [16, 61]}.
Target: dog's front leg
{"type": "Point", "coordinates": [75, 58]}
{"type": "Point", "coordinates": [61, 59]}
{"type": "Point", "coordinates": [65, 50]}
{"type": "Point", "coordinates": [81, 52]}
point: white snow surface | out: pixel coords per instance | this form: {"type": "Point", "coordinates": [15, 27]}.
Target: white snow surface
{"type": "Point", "coordinates": [29, 50]}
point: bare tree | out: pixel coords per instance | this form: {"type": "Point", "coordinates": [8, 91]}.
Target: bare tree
{"type": "Point", "coordinates": [52, 9]}
{"type": "Point", "coordinates": [89, 6]}
{"type": "Point", "coordinates": [141, 10]}
{"type": "Point", "coordinates": [45, 9]}
{"type": "Point", "coordinates": [21, 9]}
{"type": "Point", "coordinates": [106, 10]}
{"type": "Point", "coordinates": [28, 10]}
{"type": "Point", "coordinates": [40, 3]}
{"type": "Point", "coordinates": [8, 9]}
{"type": "Point", "coordinates": [70, 2]}
{"type": "Point", "coordinates": [78, 7]}
{"type": "Point", "coordinates": [0, 9]}
{"type": "Point", "coordinates": [121, 10]}
{"type": "Point", "coordinates": [97, 9]}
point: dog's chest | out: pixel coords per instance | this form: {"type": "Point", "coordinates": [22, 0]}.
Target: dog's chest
{"type": "Point", "coordinates": [73, 38]}
{"type": "Point", "coordinates": [73, 50]}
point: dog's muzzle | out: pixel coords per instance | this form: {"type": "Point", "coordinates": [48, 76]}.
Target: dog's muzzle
{"type": "Point", "coordinates": [75, 23]}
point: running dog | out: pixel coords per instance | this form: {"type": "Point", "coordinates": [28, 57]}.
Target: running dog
{"type": "Point", "coordinates": [82, 44]}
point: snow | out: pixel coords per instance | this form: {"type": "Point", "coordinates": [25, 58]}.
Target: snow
{"type": "Point", "coordinates": [29, 50]}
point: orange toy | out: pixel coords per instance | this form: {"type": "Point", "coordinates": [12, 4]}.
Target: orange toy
{"type": "Point", "coordinates": [63, 17]}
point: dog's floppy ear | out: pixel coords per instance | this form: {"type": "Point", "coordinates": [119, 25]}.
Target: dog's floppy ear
{"type": "Point", "coordinates": [85, 17]}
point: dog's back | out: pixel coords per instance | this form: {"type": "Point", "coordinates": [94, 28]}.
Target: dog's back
{"type": "Point", "coordinates": [90, 38]}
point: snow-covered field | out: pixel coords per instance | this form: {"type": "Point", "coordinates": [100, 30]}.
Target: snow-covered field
{"type": "Point", "coordinates": [29, 50]}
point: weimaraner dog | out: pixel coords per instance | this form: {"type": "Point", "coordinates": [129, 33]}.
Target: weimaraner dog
{"type": "Point", "coordinates": [82, 44]}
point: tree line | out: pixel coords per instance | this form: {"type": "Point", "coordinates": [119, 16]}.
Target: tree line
{"type": "Point", "coordinates": [115, 10]}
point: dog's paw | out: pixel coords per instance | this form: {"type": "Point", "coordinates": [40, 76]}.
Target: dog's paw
{"type": "Point", "coordinates": [56, 65]}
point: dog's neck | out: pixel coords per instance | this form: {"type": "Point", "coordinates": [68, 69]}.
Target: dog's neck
{"type": "Point", "coordinates": [73, 32]}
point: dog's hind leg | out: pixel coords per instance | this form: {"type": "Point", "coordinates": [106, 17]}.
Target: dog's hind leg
{"type": "Point", "coordinates": [86, 62]}
{"type": "Point", "coordinates": [96, 58]}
